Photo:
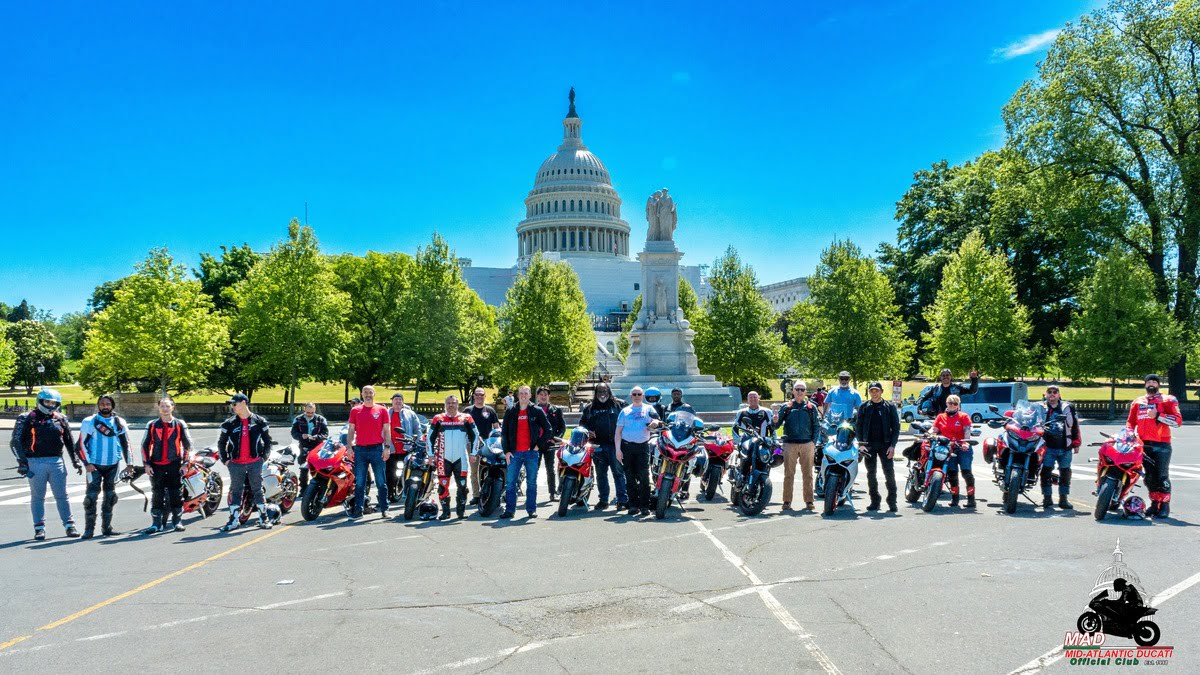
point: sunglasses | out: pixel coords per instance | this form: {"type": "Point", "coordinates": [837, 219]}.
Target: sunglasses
{"type": "Point", "coordinates": [635, 394]}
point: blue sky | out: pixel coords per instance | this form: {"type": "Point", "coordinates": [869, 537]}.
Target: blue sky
{"type": "Point", "coordinates": [777, 126]}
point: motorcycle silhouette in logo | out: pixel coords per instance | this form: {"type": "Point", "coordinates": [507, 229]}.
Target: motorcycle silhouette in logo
{"type": "Point", "coordinates": [1118, 607]}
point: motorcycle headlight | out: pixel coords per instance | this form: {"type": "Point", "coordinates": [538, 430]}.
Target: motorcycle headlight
{"type": "Point", "coordinates": [847, 462]}
{"type": "Point", "coordinates": [764, 455]}
{"type": "Point", "coordinates": [1126, 465]}
{"type": "Point", "coordinates": [941, 453]}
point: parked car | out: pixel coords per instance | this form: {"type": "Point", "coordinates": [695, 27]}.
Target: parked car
{"type": "Point", "coordinates": [1003, 395]}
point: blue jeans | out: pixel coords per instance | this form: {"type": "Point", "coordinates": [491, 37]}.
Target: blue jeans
{"type": "Point", "coordinates": [1061, 456]}
{"type": "Point", "coordinates": [605, 458]}
{"type": "Point", "coordinates": [528, 459]}
{"type": "Point", "coordinates": [52, 470]}
{"type": "Point", "coordinates": [369, 457]}
{"type": "Point", "coordinates": [960, 459]}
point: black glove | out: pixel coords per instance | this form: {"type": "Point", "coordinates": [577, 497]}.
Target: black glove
{"type": "Point", "coordinates": [224, 457]}
{"type": "Point", "coordinates": [23, 469]}
{"type": "Point", "coordinates": [78, 467]}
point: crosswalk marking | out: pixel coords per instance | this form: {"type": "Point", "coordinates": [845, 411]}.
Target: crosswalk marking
{"type": "Point", "coordinates": [76, 498]}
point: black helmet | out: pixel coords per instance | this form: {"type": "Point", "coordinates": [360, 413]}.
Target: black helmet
{"type": "Point", "coordinates": [427, 510]}
{"type": "Point", "coordinates": [1119, 584]}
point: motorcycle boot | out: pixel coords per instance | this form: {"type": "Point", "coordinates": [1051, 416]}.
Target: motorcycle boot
{"type": "Point", "coordinates": [954, 499]}
{"type": "Point", "coordinates": [89, 517]}
{"type": "Point", "coordinates": [177, 521]}
{"type": "Point", "coordinates": [1047, 501]}
{"type": "Point", "coordinates": [106, 528]}
{"type": "Point", "coordinates": [156, 522]}
{"type": "Point", "coordinates": [971, 501]}
{"type": "Point", "coordinates": [445, 510]}
{"type": "Point", "coordinates": [264, 517]}
{"type": "Point", "coordinates": [233, 522]}
{"type": "Point", "coordinates": [461, 508]}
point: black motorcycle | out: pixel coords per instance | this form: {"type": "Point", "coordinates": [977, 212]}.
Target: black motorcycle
{"type": "Point", "coordinates": [493, 468]}
{"type": "Point", "coordinates": [750, 475]}
{"type": "Point", "coordinates": [1113, 617]}
{"type": "Point", "coordinates": [419, 478]}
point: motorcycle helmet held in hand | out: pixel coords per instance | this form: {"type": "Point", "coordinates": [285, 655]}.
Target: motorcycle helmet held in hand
{"type": "Point", "coordinates": [49, 401]}
{"type": "Point", "coordinates": [925, 402]}
{"type": "Point", "coordinates": [427, 510]}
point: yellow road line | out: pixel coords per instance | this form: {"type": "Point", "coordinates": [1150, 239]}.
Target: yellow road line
{"type": "Point", "coordinates": [99, 605]}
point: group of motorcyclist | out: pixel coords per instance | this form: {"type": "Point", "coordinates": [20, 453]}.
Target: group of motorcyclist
{"type": "Point", "coordinates": [530, 431]}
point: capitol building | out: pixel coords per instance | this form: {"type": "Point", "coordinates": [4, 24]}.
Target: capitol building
{"type": "Point", "coordinates": [574, 215]}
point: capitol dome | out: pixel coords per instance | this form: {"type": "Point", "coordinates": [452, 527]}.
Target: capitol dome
{"type": "Point", "coordinates": [572, 209]}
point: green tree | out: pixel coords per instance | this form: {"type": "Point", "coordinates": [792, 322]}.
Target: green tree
{"type": "Point", "coordinates": [976, 321]}
{"type": "Point", "coordinates": [1121, 329]}
{"type": "Point", "coordinates": [1116, 99]}
{"type": "Point", "coordinates": [27, 312]}
{"type": "Point", "coordinates": [546, 333]}
{"type": "Point", "coordinates": [375, 284]}
{"type": "Point", "coordinates": [857, 326]}
{"type": "Point", "coordinates": [8, 359]}
{"type": "Point", "coordinates": [290, 315]}
{"type": "Point", "coordinates": [70, 330]}
{"type": "Point", "coordinates": [160, 327]}
{"type": "Point", "coordinates": [801, 320]}
{"type": "Point", "coordinates": [735, 340]}
{"type": "Point", "coordinates": [434, 347]}
{"type": "Point", "coordinates": [1048, 224]}
{"type": "Point", "coordinates": [219, 276]}
{"type": "Point", "coordinates": [104, 294]}
{"type": "Point", "coordinates": [34, 345]}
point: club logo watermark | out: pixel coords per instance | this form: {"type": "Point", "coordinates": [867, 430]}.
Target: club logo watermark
{"type": "Point", "coordinates": [1118, 611]}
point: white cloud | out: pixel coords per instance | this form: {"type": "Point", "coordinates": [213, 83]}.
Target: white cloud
{"type": "Point", "coordinates": [1026, 45]}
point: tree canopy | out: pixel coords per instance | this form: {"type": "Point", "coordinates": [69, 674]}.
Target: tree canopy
{"type": "Point", "coordinates": [976, 321]}
{"type": "Point", "coordinates": [1121, 330]}
{"type": "Point", "coordinates": [160, 327]}
{"type": "Point", "coordinates": [735, 340]}
{"type": "Point", "coordinates": [290, 315]}
{"type": "Point", "coordinates": [545, 331]}
{"type": "Point", "coordinates": [33, 345]}
{"type": "Point", "coordinates": [1115, 100]}
{"type": "Point", "coordinates": [855, 325]}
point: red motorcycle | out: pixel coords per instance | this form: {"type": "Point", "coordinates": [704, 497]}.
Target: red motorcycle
{"type": "Point", "coordinates": [1121, 459]}
{"type": "Point", "coordinates": [1016, 455]}
{"type": "Point", "coordinates": [575, 471]}
{"type": "Point", "coordinates": [331, 466]}
{"type": "Point", "coordinates": [676, 453]}
{"type": "Point", "coordinates": [719, 449]}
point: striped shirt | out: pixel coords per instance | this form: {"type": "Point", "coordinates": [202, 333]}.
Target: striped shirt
{"type": "Point", "coordinates": [99, 439]}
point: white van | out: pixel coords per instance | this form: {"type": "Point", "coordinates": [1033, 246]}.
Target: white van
{"type": "Point", "coordinates": [1003, 395]}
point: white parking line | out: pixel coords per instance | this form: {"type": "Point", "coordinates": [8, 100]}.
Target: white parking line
{"type": "Point", "coordinates": [781, 613]}
{"type": "Point", "coordinates": [476, 660]}
{"type": "Point", "coordinates": [76, 498]}
{"type": "Point", "coordinates": [1053, 656]}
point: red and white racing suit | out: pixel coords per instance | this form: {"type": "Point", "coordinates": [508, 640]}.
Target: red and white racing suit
{"type": "Point", "coordinates": [451, 438]}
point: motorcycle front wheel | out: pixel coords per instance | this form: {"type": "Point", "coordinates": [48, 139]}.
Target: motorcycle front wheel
{"type": "Point", "coordinates": [754, 506]}
{"type": "Point", "coordinates": [935, 491]}
{"type": "Point", "coordinates": [1104, 497]}
{"type": "Point", "coordinates": [410, 501]}
{"type": "Point", "coordinates": [566, 496]}
{"type": "Point", "coordinates": [1089, 622]}
{"type": "Point", "coordinates": [664, 499]}
{"type": "Point", "coordinates": [831, 497]}
{"type": "Point", "coordinates": [311, 502]}
{"type": "Point", "coordinates": [1013, 487]}
{"type": "Point", "coordinates": [711, 482]}
{"type": "Point", "coordinates": [489, 504]}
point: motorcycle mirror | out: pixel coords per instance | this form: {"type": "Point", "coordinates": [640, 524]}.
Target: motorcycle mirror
{"type": "Point", "coordinates": [977, 432]}
{"type": "Point", "coordinates": [1094, 445]}
{"type": "Point", "coordinates": [1105, 435]}
{"type": "Point", "coordinates": [993, 408]}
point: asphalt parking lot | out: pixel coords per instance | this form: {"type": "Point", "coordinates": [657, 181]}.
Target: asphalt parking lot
{"type": "Point", "coordinates": [704, 591]}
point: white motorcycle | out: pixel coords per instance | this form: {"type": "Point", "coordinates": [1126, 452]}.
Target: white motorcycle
{"type": "Point", "coordinates": [839, 465]}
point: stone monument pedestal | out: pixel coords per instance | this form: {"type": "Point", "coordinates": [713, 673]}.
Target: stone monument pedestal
{"type": "Point", "coordinates": [660, 345]}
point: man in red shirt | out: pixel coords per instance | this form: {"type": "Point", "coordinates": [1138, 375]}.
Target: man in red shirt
{"type": "Point", "coordinates": [956, 425]}
{"type": "Point", "coordinates": [370, 435]}
{"type": "Point", "coordinates": [525, 429]}
{"type": "Point", "coordinates": [1153, 416]}
{"type": "Point", "coordinates": [244, 443]}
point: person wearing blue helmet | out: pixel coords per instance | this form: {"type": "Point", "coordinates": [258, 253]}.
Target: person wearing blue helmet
{"type": "Point", "coordinates": [38, 440]}
{"type": "Point", "coordinates": [654, 398]}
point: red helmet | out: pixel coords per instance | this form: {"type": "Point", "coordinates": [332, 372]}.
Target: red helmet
{"type": "Point", "coordinates": [1135, 507]}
